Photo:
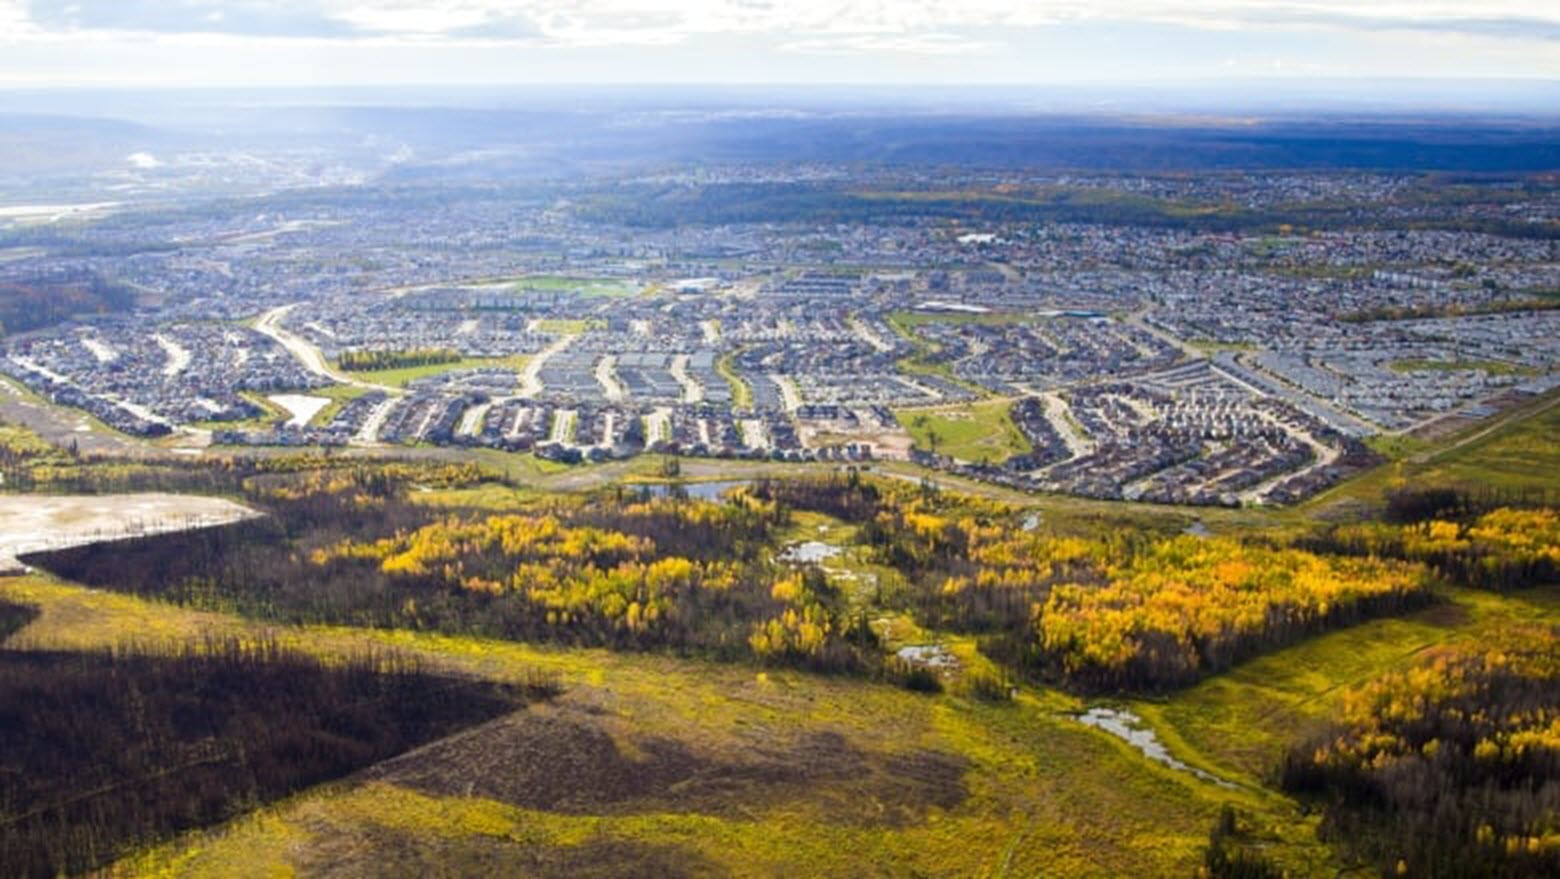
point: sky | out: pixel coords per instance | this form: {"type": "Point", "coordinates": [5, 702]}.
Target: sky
{"type": "Point", "coordinates": [47, 43]}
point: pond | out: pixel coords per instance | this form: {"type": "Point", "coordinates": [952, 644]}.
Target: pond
{"type": "Point", "coordinates": [933, 656]}
{"type": "Point", "coordinates": [1129, 728]}
{"type": "Point", "coordinates": [810, 552]}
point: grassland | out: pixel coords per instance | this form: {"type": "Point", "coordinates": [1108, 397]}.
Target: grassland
{"type": "Point", "coordinates": [1053, 197]}
{"type": "Point", "coordinates": [399, 378]}
{"type": "Point", "coordinates": [565, 327]}
{"type": "Point", "coordinates": [339, 396]}
{"type": "Point", "coordinates": [1515, 451]}
{"type": "Point", "coordinates": [973, 432]}
{"type": "Point", "coordinates": [584, 286]}
{"type": "Point", "coordinates": [701, 768]}
{"type": "Point", "coordinates": [696, 768]}
{"type": "Point", "coordinates": [1493, 367]}
{"type": "Point", "coordinates": [273, 415]}
{"type": "Point", "coordinates": [1396, 446]}
{"type": "Point", "coordinates": [923, 361]}
{"type": "Point", "coordinates": [906, 319]}
{"type": "Point", "coordinates": [741, 394]}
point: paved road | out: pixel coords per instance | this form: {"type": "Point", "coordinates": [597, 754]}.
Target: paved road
{"type": "Point", "coordinates": [306, 354]}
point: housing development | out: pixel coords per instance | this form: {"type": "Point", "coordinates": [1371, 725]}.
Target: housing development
{"type": "Point", "coordinates": [1120, 359]}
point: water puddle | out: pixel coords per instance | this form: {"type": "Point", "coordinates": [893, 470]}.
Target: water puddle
{"type": "Point", "coordinates": [1129, 728]}
{"type": "Point", "coordinates": [933, 656]}
{"type": "Point", "coordinates": [810, 552]}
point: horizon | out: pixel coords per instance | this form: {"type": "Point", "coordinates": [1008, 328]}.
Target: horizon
{"type": "Point", "coordinates": [1189, 101]}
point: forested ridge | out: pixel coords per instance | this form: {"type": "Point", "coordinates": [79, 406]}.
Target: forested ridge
{"type": "Point", "coordinates": [1451, 768]}
{"type": "Point", "coordinates": [103, 752]}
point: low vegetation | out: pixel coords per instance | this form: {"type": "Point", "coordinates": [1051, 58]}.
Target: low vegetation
{"type": "Point", "coordinates": [1112, 610]}
{"type": "Point", "coordinates": [626, 571]}
{"type": "Point", "coordinates": [977, 433]}
{"type": "Point", "coordinates": [699, 737]}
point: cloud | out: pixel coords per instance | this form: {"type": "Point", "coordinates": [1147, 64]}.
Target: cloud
{"type": "Point", "coordinates": [909, 44]}
{"type": "Point", "coordinates": [1510, 27]}
{"type": "Point", "coordinates": [256, 18]}
{"type": "Point", "coordinates": [897, 25]}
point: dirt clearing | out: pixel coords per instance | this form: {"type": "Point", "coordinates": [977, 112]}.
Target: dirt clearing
{"type": "Point", "coordinates": [31, 522]}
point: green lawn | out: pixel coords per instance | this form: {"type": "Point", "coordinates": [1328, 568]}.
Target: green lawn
{"type": "Point", "coordinates": [339, 395]}
{"type": "Point", "coordinates": [972, 432]}
{"type": "Point", "coordinates": [1493, 367]}
{"type": "Point", "coordinates": [566, 327]}
{"type": "Point", "coordinates": [1242, 720]}
{"type": "Point", "coordinates": [838, 775]}
{"type": "Point", "coordinates": [398, 378]}
{"type": "Point", "coordinates": [1396, 446]}
{"type": "Point", "coordinates": [272, 416]}
{"type": "Point", "coordinates": [741, 394]}
{"type": "Point", "coordinates": [923, 362]}
{"type": "Point", "coordinates": [906, 319]}
{"type": "Point", "coordinates": [585, 286]}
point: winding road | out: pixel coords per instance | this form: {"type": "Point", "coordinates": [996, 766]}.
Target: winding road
{"type": "Point", "coordinates": [270, 324]}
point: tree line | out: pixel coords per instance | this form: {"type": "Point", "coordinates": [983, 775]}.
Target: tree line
{"type": "Point", "coordinates": [378, 359]}
{"type": "Point", "coordinates": [1502, 548]}
{"type": "Point", "coordinates": [347, 546]}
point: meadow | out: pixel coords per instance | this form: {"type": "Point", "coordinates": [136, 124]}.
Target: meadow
{"type": "Point", "coordinates": [975, 432]}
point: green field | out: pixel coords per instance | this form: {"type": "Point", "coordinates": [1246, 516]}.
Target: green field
{"type": "Point", "coordinates": [274, 414]}
{"type": "Point", "coordinates": [1515, 451]}
{"type": "Point", "coordinates": [584, 286]}
{"type": "Point", "coordinates": [564, 327]}
{"type": "Point", "coordinates": [803, 774]}
{"type": "Point", "coordinates": [339, 395]}
{"type": "Point", "coordinates": [741, 394]}
{"type": "Point", "coordinates": [1241, 720]}
{"type": "Point", "coordinates": [906, 319]}
{"type": "Point", "coordinates": [1493, 367]}
{"type": "Point", "coordinates": [974, 432]}
{"type": "Point", "coordinates": [924, 361]}
{"type": "Point", "coordinates": [398, 378]}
